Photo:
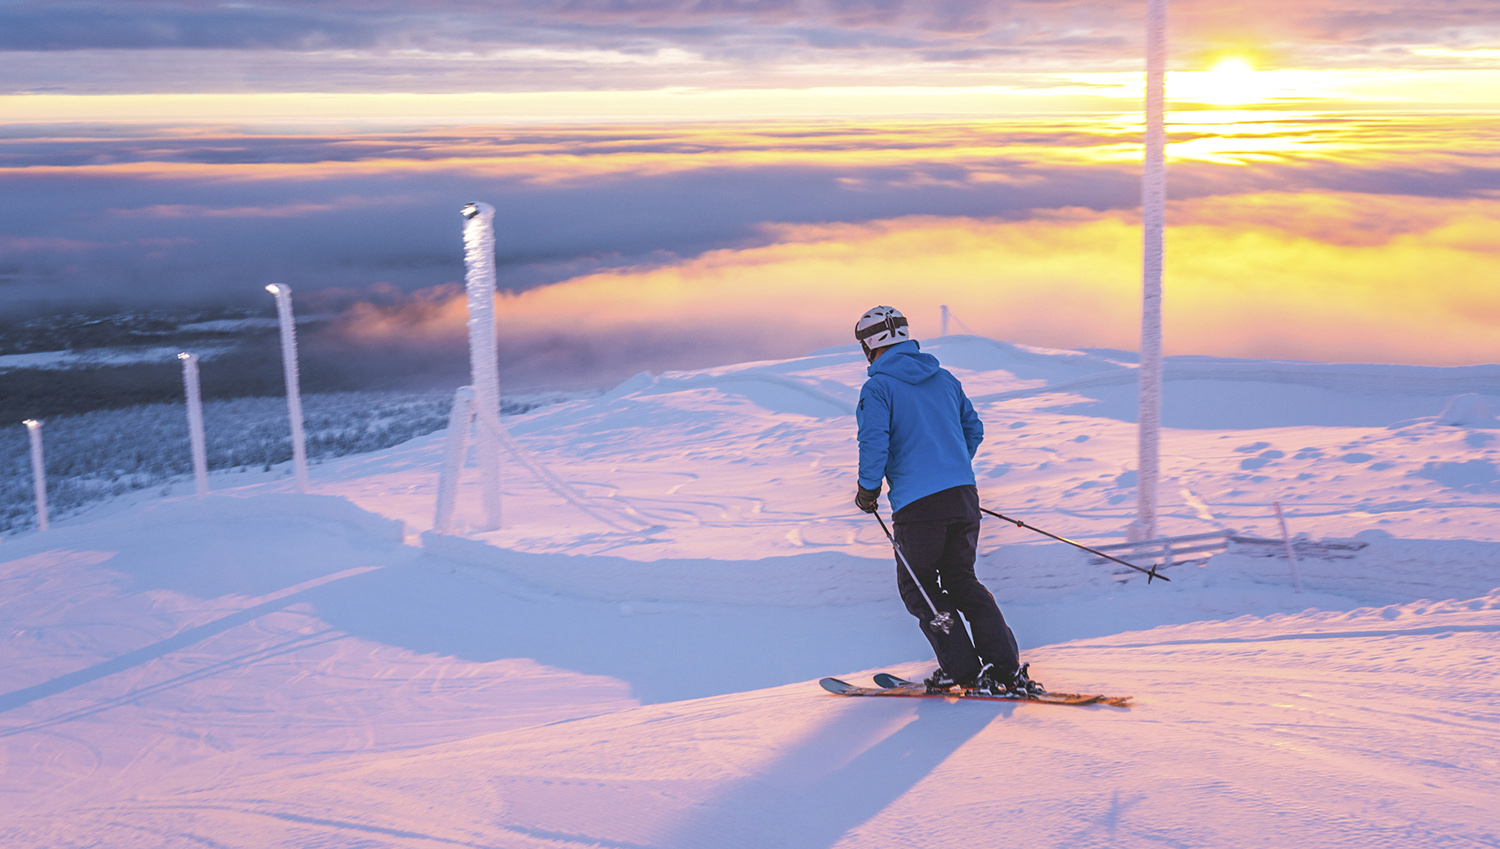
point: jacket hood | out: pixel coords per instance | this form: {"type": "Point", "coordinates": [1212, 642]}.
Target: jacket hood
{"type": "Point", "coordinates": [905, 362]}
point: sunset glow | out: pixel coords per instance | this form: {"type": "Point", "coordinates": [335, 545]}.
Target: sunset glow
{"type": "Point", "coordinates": [1300, 250]}
{"type": "Point", "coordinates": [1232, 81]}
{"type": "Point", "coordinates": [577, 515]}
{"type": "Point", "coordinates": [1265, 275]}
{"type": "Point", "coordinates": [640, 161]}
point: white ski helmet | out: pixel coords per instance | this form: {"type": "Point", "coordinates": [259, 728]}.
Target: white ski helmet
{"type": "Point", "coordinates": [879, 328]}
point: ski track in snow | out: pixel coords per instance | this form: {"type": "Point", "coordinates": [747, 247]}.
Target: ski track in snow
{"type": "Point", "coordinates": [266, 669]}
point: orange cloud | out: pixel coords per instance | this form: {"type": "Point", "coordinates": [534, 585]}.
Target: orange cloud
{"type": "Point", "coordinates": [28, 244]}
{"type": "Point", "coordinates": [430, 316]}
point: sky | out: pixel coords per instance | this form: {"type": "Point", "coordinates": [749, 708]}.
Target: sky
{"type": "Point", "coordinates": [686, 183]}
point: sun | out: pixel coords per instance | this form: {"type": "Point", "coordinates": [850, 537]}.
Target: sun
{"type": "Point", "coordinates": [1232, 67]}
{"type": "Point", "coordinates": [1232, 81]}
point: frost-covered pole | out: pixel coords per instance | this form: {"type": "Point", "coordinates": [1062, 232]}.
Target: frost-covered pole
{"type": "Point", "coordinates": [484, 354]}
{"type": "Point", "coordinates": [283, 295]}
{"type": "Point", "coordinates": [38, 473]}
{"type": "Point", "coordinates": [1291, 553]}
{"type": "Point", "coordinates": [944, 310]}
{"type": "Point", "coordinates": [195, 421]}
{"type": "Point", "coordinates": [1153, 215]}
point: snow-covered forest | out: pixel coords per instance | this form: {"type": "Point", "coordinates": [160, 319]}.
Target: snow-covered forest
{"type": "Point", "coordinates": [99, 454]}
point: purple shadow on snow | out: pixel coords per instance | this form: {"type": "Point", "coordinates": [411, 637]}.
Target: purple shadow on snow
{"type": "Point", "coordinates": [1470, 476]}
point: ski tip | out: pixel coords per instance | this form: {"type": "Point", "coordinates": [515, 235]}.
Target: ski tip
{"type": "Point", "coordinates": [834, 685]}
{"type": "Point", "coordinates": [888, 681]}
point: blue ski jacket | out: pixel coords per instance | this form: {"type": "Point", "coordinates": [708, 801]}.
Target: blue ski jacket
{"type": "Point", "coordinates": [917, 428]}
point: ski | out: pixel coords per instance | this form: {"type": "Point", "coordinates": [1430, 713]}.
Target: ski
{"type": "Point", "coordinates": [885, 680]}
{"type": "Point", "coordinates": [891, 686]}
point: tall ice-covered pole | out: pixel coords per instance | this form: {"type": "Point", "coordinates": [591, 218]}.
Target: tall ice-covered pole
{"type": "Point", "coordinates": [484, 353]}
{"type": "Point", "coordinates": [283, 295]}
{"type": "Point", "coordinates": [1153, 216]}
{"type": "Point", "coordinates": [38, 472]}
{"type": "Point", "coordinates": [190, 385]}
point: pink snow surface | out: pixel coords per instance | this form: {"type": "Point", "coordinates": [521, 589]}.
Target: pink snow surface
{"type": "Point", "coordinates": [261, 668]}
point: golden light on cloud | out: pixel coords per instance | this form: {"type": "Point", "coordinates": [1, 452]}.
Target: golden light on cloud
{"type": "Point", "coordinates": [1009, 95]}
{"type": "Point", "coordinates": [1232, 82]}
{"type": "Point", "coordinates": [992, 154]}
{"type": "Point", "coordinates": [1338, 278]}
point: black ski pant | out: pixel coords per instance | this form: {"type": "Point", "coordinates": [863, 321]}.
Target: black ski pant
{"type": "Point", "coordinates": [941, 552]}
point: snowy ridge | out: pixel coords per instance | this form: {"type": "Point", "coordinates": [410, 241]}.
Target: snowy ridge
{"type": "Point", "coordinates": [1413, 380]}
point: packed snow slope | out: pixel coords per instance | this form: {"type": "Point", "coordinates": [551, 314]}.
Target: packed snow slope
{"type": "Point", "coordinates": [631, 661]}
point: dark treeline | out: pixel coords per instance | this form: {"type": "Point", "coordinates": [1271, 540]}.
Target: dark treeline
{"type": "Point", "coordinates": [76, 331]}
{"type": "Point", "coordinates": [252, 369]}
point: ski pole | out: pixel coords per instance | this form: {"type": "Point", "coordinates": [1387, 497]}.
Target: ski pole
{"type": "Point", "coordinates": [1149, 573]}
{"type": "Point", "coordinates": [941, 621]}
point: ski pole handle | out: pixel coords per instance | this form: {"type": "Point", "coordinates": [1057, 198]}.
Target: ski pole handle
{"type": "Point", "coordinates": [942, 621]}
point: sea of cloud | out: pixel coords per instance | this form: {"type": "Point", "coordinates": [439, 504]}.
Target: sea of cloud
{"type": "Point", "coordinates": [647, 247]}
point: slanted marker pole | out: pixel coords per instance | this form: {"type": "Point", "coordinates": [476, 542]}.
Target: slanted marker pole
{"type": "Point", "coordinates": [1291, 553]}
{"type": "Point", "coordinates": [1153, 216]}
{"type": "Point", "coordinates": [460, 422]}
{"type": "Point", "coordinates": [484, 353]}
{"type": "Point", "coordinates": [38, 473]}
{"type": "Point", "coordinates": [195, 421]}
{"type": "Point", "coordinates": [283, 294]}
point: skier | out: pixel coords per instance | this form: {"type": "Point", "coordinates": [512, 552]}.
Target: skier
{"type": "Point", "coordinates": [918, 430]}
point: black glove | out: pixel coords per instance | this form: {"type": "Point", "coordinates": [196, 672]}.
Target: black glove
{"type": "Point", "coordinates": [867, 499]}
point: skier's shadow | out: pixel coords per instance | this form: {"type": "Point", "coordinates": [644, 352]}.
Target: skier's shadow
{"type": "Point", "coordinates": [846, 773]}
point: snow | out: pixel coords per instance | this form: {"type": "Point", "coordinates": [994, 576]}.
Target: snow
{"type": "Point", "coordinates": [232, 325]}
{"type": "Point", "coordinates": [263, 668]}
{"type": "Point", "coordinates": [1469, 410]}
{"type": "Point", "coordinates": [94, 357]}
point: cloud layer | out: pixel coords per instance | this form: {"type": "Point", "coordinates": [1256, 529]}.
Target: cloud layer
{"type": "Point", "coordinates": [459, 45]}
{"type": "Point", "coordinates": [165, 215]}
{"type": "Point", "coordinates": [1342, 236]}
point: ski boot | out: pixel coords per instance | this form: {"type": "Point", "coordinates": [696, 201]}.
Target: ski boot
{"type": "Point", "coordinates": [986, 683]}
{"type": "Point", "coordinates": [939, 682]}
{"type": "Point", "coordinates": [1023, 685]}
